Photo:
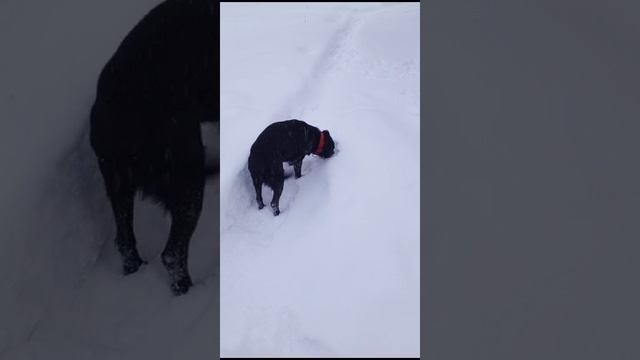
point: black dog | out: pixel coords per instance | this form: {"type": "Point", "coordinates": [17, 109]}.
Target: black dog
{"type": "Point", "coordinates": [285, 141]}
{"type": "Point", "coordinates": [152, 97]}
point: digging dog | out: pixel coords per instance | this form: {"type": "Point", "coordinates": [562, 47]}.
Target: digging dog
{"type": "Point", "coordinates": [285, 141]}
{"type": "Point", "coordinates": [152, 97]}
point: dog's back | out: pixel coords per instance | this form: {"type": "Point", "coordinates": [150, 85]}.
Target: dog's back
{"type": "Point", "coordinates": [284, 141]}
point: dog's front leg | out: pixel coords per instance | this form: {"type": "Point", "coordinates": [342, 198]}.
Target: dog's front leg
{"type": "Point", "coordinates": [297, 167]}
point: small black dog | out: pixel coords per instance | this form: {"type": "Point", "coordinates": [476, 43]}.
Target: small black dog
{"type": "Point", "coordinates": [285, 141]}
{"type": "Point", "coordinates": [152, 96]}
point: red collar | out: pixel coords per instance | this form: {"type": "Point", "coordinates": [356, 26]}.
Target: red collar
{"type": "Point", "coordinates": [320, 144]}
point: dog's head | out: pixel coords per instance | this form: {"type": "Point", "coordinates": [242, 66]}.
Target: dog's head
{"type": "Point", "coordinates": [326, 147]}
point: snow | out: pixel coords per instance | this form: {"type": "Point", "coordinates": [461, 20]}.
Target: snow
{"type": "Point", "coordinates": [337, 272]}
{"type": "Point", "coordinates": [62, 292]}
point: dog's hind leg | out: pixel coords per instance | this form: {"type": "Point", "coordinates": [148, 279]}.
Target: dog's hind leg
{"type": "Point", "coordinates": [185, 211]}
{"type": "Point", "coordinates": [121, 192]}
{"type": "Point", "coordinates": [277, 185]}
{"type": "Point", "coordinates": [275, 202]}
{"type": "Point", "coordinates": [257, 184]}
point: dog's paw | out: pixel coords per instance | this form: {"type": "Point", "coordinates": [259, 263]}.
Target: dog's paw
{"type": "Point", "coordinates": [260, 206]}
{"type": "Point", "coordinates": [132, 265]}
{"type": "Point", "coordinates": [275, 209]}
{"type": "Point", "coordinates": [180, 279]}
{"type": "Point", "coordinates": [181, 286]}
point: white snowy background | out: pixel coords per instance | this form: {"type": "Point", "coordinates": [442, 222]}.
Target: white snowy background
{"type": "Point", "coordinates": [337, 273]}
{"type": "Point", "coordinates": [62, 292]}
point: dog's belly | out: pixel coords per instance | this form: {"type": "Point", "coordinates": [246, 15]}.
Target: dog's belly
{"type": "Point", "coordinates": [293, 156]}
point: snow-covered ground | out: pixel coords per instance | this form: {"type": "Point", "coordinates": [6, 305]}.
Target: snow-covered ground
{"type": "Point", "coordinates": [62, 295]}
{"type": "Point", "coordinates": [337, 273]}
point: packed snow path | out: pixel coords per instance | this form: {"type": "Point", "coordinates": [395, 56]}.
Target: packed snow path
{"type": "Point", "coordinates": [337, 272]}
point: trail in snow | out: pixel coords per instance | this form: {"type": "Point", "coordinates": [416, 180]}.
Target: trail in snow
{"type": "Point", "coordinates": [312, 84]}
{"type": "Point", "coordinates": [336, 274]}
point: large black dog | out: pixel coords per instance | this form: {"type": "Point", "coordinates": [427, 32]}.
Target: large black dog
{"type": "Point", "coordinates": [152, 96]}
{"type": "Point", "coordinates": [285, 141]}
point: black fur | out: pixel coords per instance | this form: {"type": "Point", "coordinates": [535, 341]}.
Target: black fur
{"type": "Point", "coordinates": [152, 95]}
{"type": "Point", "coordinates": [285, 141]}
